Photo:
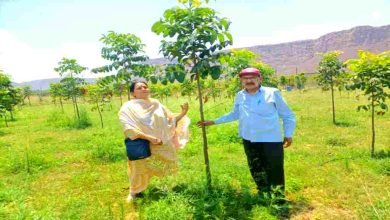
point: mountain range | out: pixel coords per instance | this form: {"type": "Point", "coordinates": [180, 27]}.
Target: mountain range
{"type": "Point", "coordinates": [297, 56]}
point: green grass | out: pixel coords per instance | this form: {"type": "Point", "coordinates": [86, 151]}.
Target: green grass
{"type": "Point", "coordinates": [50, 169]}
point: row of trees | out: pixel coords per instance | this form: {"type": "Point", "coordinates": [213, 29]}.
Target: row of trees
{"type": "Point", "coordinates": [370, 73]}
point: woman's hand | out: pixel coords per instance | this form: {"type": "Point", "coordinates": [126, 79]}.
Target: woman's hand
{"type": "Point", "coordinates": [155, 141]}
{"type": "Point", "coordinates": [184, 108]}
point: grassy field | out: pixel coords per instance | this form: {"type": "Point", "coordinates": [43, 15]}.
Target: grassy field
{"type": "Point", "coordinates": [49, 170]}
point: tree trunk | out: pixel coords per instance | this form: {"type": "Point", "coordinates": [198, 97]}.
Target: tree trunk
{"type": "Point", "coordinates": [205, 147]}
{"type": "Point", "coordinates": [62, 107]}
{"type": "Point", "coordinates": [372, 126]}
{"type": "Point", "coordinates": [12, 115]}
{"type": "Point", "coordinates": [100, 113]}
{"type": "Point", "coordinates": [29, 101]}
{"type": "Point", "coordinates": [77, 108]}
{"type": "Point", "coordinates": [120, 98]}
{"type": "Point", "coordinates": [40, 96]}
{"type": "Point", "coordinates": [333, 111]}
{"type": "Point", "coordinates": [5, 120]}
{"type": "Point", "coordinates": [74, 109]}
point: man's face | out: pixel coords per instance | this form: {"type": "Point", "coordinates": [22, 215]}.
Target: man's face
{"type": "Point", "coordinates": [250, 83]}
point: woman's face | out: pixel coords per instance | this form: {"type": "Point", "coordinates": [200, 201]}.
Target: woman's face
{"type": "Point", "coordinates": [141, 91]}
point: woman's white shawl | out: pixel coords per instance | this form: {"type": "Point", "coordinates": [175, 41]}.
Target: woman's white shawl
{"type": "Point", "coordinates": [152, 118]}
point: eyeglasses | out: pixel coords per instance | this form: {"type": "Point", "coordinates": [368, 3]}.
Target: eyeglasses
{"type": "Point", "coordinates": [248, 78]}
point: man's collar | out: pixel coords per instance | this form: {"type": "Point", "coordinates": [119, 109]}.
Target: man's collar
{"type": "Point", "coordinates": [258, 91]}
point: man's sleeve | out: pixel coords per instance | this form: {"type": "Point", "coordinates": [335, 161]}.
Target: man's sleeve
{"type": "Point", "coordinates": [231, 116]}
{"type": "Point", "coordinates": [286, 114]}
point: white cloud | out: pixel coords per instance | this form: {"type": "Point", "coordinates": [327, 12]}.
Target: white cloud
{"type": "Point", "coordinates": [25, 63]}
{"type": "Point", "coordinates": [152, 42]}
{"type": "Point", "coordinates": [21, 61]}
{"type": "Point", "coordinates": [377, 16]}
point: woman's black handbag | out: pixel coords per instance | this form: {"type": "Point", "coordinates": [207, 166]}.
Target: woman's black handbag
{"type": "Point", "coordinates": [137, 149]}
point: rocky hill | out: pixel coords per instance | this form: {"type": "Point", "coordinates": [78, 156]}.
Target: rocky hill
{"type": "Point", "coordinates": [302, 56]}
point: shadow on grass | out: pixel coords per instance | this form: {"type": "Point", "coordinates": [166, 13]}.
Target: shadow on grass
{"type": "Point", "coordinates": [345, 124]}
{"type": "Point", "coordinates": [299, 207]}
{"type": "Point", "coordinates": [382, 154]}
{"type": "Point", "coordinates": [2, 133]}
{"type": "Point", "coordinates": [223, 202]}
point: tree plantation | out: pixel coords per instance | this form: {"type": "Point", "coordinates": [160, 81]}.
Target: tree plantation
{"type": "Point", "coordinates": [62, 154]}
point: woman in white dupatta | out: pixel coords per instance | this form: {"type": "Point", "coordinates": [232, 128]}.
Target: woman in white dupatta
{"type": "Point", "coordinates": [146, 118]}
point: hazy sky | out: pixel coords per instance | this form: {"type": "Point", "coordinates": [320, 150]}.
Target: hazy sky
{"type": "Point", "coordinates": [36, 34]}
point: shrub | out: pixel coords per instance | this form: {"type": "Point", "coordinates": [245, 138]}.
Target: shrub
{"type": "Point", "coordinates": [84, 121]}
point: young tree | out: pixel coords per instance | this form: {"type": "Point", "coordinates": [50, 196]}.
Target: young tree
{"type": "Point", "coordinates": [9, 96]}
{"type": "Point", "coordinates": [300, 80]}
{"type": "Point", "coordinates": [372, 76]}
{"type": "Point", "coordinates": [330, 68]}
{"type": "Point", "coordinates": [175, 89]}
{"type": "Point", "coordinates": [283, 81]}
{"type": "Point", "coordinates": [212, 88]}
{"type": "Point", "coordinates": [194, 34]}
{"type": "Point", "coordinates": [342, 81]}
{"type": "Point", "coordinates": [27, 92]}
{"type": "Point", "coordinates": [57, 91]}
{"type": "Point", "coordinates": [119, 87]}
{"type": "Point", "coordinates": [188, 88]}
{"type": "Point", "coordinates": [5, 83]}
{"type": "Point", "coordinates": [290, 81]}
{"type": "Point", "coordinates": [237, 60]}
{"type": "Point", "coordinates": [14, 98]}
{"type": "Point", "coordinates": [232, 87]}
{"type": "Point", "coordinates": [3, 111]}
{"type": "Point", "coordinates": [161, 91]}
{"type": "Point", "coordinates": [98, 96]}
{"type": "Point", "coordinates": [69, 69]}
{"type": "Point", "coordinates": [125, 51]}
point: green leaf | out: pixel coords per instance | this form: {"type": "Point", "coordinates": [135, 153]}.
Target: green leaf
{"type": "Point", "coordinates": [221, 37]}
{"type": "Point", "coordinates": [153, 79]}
{"type": "Point", "coordinates": [229, 36]}
{"type": "Point", "coordinates": [215, 72]}
{"type": "Point", "coordinates": [213, 37]}
{"type": "Point", "coordinates": [164, 81]}
{"type": "Point", "coordinates": [180, 76]}
{"type": "Point", "coordinates": [383, 106]}
{"type": "Point", "coordinates": [225, 23]}
{"type": "Point", "coordinates": [158, 27]}
{"type": "Point", "coordinates": [171, 77]}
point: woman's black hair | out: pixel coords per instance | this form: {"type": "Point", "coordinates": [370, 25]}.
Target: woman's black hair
{"type": "Point", "coordinates": [132, 85]}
